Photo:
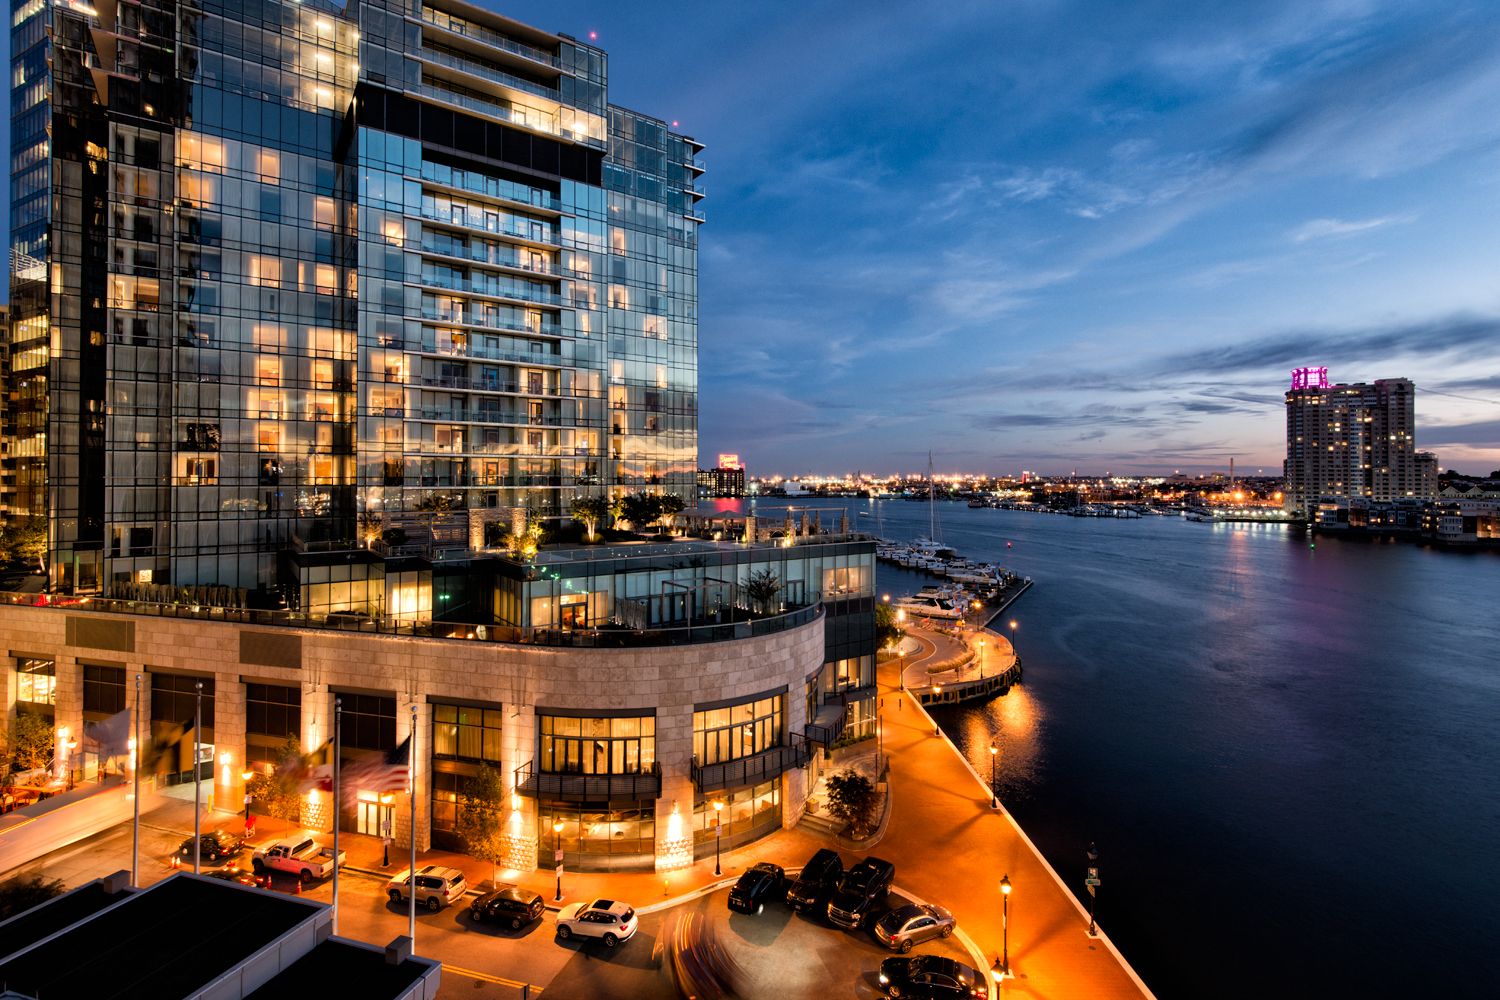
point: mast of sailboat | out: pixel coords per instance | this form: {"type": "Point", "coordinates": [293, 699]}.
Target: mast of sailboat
{"type": "Point", "coordinates": [931, 500]}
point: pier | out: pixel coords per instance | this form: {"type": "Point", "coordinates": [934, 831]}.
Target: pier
{"type": "Point", "coordinates": [950, 669]}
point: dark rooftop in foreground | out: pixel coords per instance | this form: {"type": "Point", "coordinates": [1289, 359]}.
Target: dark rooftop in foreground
{"type": "Point", "coordinates": [341, 968]}
{"type": "Point", "coordinates": [26, 929]}
{"type": "Point", "coordinates": [167, 941]}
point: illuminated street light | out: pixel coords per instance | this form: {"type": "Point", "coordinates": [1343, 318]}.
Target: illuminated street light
{"type": "Point", "coordinates": [557, 854]}
{"type": "Point", "coordinates": [994, 794]}
{"type": "Point", "coordinates": [1002, 964]}
{"type": "Point", "coordinates": [718, 834]}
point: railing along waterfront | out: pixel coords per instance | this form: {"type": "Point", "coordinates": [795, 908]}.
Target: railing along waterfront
{"type": "Point", "coordinates": [618, 637]}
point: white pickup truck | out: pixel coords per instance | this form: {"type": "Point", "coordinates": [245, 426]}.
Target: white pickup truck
{"type": "Point", "coordinates": [302, 856]}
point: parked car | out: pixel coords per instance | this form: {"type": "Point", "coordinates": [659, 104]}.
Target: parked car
{"type": "Point", "coordinates": [930, 976]}
{"type": "Point", "coordinates": [912, 924]}
{"type": "Point", "coordinates": [606, 919]}
{"type": "Point", "coordinates": [818, 882]}
{"type": "Point", "coordinates": [233, 873]}
{"type": "Point", "coordinates": [508, 904]}
{"type": "Point", "coordinates": [866, 882]}
{"type": "Point", "coordinates": [436, 886]}
{"type": "Point", "coordinates": [217, 847]}
{"type": "Point", "coordinates": [764, 883]}
{"type": "Point", "coordinates": [302, 856]}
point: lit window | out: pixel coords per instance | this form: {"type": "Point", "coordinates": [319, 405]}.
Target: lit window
{"type": "Point", "coordinates": [268, 165]}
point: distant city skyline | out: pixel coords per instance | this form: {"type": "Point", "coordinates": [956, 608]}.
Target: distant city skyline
{"type": "Point", "coordinates": [1077, 233]}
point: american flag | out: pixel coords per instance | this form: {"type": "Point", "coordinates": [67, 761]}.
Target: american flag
{"type": "Point", "coordinates": [376, 772]}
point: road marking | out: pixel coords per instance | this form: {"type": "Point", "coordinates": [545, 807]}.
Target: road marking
{"type": "Point", "coordinates": [488, 978]}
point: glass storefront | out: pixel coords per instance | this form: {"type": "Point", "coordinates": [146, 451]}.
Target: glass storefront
{"type": "Point", "coordinates": [745, 811]}
{"type": "Point", "coordinates": [597, 827]}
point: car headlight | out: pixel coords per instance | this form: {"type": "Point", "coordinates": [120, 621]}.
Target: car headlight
{"type": "Point", "coordinates": [883, 979]}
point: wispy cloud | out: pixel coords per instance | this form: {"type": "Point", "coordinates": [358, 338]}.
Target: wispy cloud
{"type": "Point", "coordinates": [1319, 228]}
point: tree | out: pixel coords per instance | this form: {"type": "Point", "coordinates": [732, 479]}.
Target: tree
{"type": "Point", "coordinates": [851, 798]}
{"type": "Point", "coordinates": [640, 509]}
{"type": "Point", "coordinates": [887, 632]}
{"type": "Point", "coordinates": [589, 511]}
{"type": "Point", "coordinates": [481, 821]}
{"type": "Point", "coordinates": [19, 895]}
{"type": "Point", "coordinates": [370, 527]}
{"type": "Point", "coordinates": [763, 587]}
{"type": "Point", "coordinates": [30, 742]}
{"type": "Point", "coordinates": [435, 502]}
{"type": "Point", "coordinates": [395, 537]}
{"type": "Point", "coordinates": [29, 540]}
{"type": "Point", "coordinates": [280, 792]}
{"type": "Point", "coordinates": [669, 505]}
{"type": "Point", "coordinates": [496, 534]}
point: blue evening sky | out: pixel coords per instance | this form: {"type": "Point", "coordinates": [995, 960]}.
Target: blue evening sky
{"type": "Point", "coordinates": [1040, 235]}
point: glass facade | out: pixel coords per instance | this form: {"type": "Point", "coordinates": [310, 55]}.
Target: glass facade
{"type": "Point", "coordinates": [745, 812]}
{"type": "Point", "coordinates": [598, 828]}
{"type": "Point", "coordinates": [281, 266]}
{"type": "Point", "coordinates": [36, 681]}
{"type": "Point", "coordinates": [597, 746]}
{"type": "Point", "coordinates": [466, 733]}
{"type": "Point", "coordinates": [722, 734]}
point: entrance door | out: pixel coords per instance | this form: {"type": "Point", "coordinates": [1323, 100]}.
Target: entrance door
{"type": "Point", "coordinates": [372, 817]}
{"type": "Point", "coordinates": [575, 611]}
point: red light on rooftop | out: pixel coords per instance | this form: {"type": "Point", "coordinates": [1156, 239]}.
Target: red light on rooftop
{"type": "Point", "coordinates": [593, 35]}
{"type": "Point", "coordinates": [1309, 378]}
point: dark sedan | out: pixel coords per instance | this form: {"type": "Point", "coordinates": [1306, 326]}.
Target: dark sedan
{"type": "Point", "coordinates": [510, 905]}
{"type": "Point", "coordinates": [234, 874]}
{"type": "Point", "coordinates": [762, 884]}
{"type": "Point", "coordinates": [217, 847]}
{"type": "Point", "coordinates": [930, 976]}
{"type": "Point", "coordinates": [818, 882]}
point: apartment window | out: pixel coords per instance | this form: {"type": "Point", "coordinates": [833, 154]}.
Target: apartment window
{"type": "Point", "coordinates": [598, 746]}
{"type": "Point", "coordinates": [742, 730]}
{"type": "Point", "coordinates": [103, 689]}
{"type": "Point", "coordinates": [174, 699]}
{"type": "Point", "coordinates": [468, 733]}
{"type": "Point", "coordinates": [273, 710]}
{"type": "Point", "coordinates": [36, 681]}
{"type": "Point", "coordinates": [369, 722]}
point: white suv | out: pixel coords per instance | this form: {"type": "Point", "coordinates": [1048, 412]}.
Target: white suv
{"type": "Point", "coordinates": [436, 886]}
{"type": "Point", "coordinates": [605, 919]}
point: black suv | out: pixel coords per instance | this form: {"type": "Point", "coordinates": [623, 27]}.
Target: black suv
{"type": "Point", "coordinates": [817, 883]}
{"type": "Point", "coordinates": [761, 884]}
{"type": "Point", "coordinates": [218, 846]}
{"type": "Point", "coordinates": [510, 905]}
{"type": "Point", "coordinates": [866, 882]}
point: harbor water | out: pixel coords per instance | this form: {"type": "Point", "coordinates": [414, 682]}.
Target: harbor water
{"type": "Point", "coordinates": [1288, 755]}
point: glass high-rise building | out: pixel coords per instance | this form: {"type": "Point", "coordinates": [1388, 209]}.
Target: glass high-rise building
{"type": "Point", "coordinates": [285, 276]}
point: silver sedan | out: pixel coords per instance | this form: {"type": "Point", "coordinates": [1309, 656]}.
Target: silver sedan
{"type": "Point", "coordinates": [912, 924]}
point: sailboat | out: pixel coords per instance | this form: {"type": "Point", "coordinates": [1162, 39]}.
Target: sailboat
{"type": "Point", "coordinates": [931, 545]}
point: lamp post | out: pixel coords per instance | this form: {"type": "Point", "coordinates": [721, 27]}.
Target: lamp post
{"type": "Point", "coordinates": [197, 785]}
{"type": "Point", "coordinates": [245, 776]}
{"type": "Point", "coordinates": [557, 856]}
{"type": "Point", "coordinates": [1093, 883]}
{"type": "Point", "coordinates": [385, 830]}
{"type": "Point", "coordinates": [1013, 654]}
{"type": "Point", "coordinates": [718, 834]}
{"type": "Point", "coordinates": [981, 659]}
{"type": "Point", "coordinates": [994, 795]}
{"type": "Point", "coordinates": [137, 759]}
{"type": "Point", "coordinates": [1002, 964]}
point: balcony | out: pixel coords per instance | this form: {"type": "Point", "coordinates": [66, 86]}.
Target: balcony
{"type": "Point", "coordinates": [493, 289]}
{"type": "Point", "coordinates": [532, 232]}
{"type": "Point", "coordinates": [588, 787]}
{"type": "Point", "coordinates": [751, 770]}
{"type": "Point", "coordinates": [488, 323]}
{"type": "Point", "coordinates": [828, 725]}
{"type": "Point", "coordinates": [485, 72]}
{"type": "Point", "coordinates": [468, 29]}
{"type": "Point", "coordinates": [485, 254]}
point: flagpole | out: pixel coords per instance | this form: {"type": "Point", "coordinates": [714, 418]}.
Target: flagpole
{"type": "Point", "coordinates": [197, 785]}
{"type": "Point", "coordinates": [338, 718]}
{"type": "Point", "coordinates": [411, 769]}
{"type": "Point", "coordinates": [140, 751]}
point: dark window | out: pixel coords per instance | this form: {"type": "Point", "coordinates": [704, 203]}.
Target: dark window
{"type": "Point", "coordinates": [467, 733]}
{"type": "Point", "coordinates": [173, 698]}
{"type": "Point", "coordinates": [103, 689]}
{"type": "Point", "coordinates": [369, 722]}
{"type": "Point", "coordinates": [271, 710]}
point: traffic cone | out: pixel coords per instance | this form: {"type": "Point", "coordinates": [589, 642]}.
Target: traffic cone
{"type": "Point", "coordinates": [297, 888]}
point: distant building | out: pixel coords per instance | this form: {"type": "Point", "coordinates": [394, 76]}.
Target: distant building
{"type": "Point", "coordinates": [722, 482]}
{"type": "Point", "coordinates": [1352, 441]}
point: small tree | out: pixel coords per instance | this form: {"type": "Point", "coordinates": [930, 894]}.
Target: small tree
{"type": "Point", "coordinates": [763, 587]}
{"type": "Point", "coordinates": [496, 534]}
{"type": "Point", "coordinates": [481, 821]}
{"type": "Point", "coordinates": [589, 511]}
{"type": "Point", "coordinates": [640, 509]}
{"type": "Point", "coordinates": [395, 537]}
{"type": "Point", "coordinates": [280, 792]}
{"type": "Point", "coordinates": [668, 506]}
{"type": "Point", "coordinates": [851, 798]}
{"type": "Point", "coordinates": [20, 894]}
{"type": "Point", "coordinates": [887, 632]}
{"type": "Point", "coordinates": [31, 742]}
{"type": "Point", "coordinates": [30, 540]}
{"type": "Point", "coordinates": [370, 526]}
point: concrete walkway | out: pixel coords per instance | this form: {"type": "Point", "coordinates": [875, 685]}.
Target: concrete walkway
{"type": "Point", "coordinates": [949, 845]}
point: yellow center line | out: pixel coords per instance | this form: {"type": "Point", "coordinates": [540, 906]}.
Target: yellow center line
{"type": "Point", "coordinates": [488, 978]}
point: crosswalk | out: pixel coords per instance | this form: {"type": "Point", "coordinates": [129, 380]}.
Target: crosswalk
{"type": "Point", "coordinates": [486, 977]}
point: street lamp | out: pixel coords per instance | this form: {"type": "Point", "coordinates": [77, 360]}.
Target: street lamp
{"type": "Point", "coordinates": [1015, 656]}
{"type": "Point", "coordinates": [385, 830]}
{"type": "Point", "coordinates": [1002, 964]}
{"type": "Point", "coordinates": [557, 855]}
{"type": "Point", "coordinates": [718, 834]}
{"type": "Point", "coordinates": [1093, 883]}
{"type": "Point", "coordinates": [981, 659]}
{"type": "Point", "coordinates": [246, 776]}
{"type": "Point", "coordinates": [994, 795]}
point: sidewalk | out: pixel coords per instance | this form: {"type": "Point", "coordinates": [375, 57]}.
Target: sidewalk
{"type": "Point", "coordinates": [950, 846]}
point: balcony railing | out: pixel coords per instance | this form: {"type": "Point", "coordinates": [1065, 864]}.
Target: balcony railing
{"type": "Point", "coordinates": [588, 787]}
{"type": "Point", "coordinates": [447, 22]}
{"type": "Point", "coordinates": [190, 606]}
{"type": "Point", "coordinates": [492, 288]}
{"type": "Point", "coordinates": [489, 323]}
{"type": "Point", "coordinates": [486, 254]}
{"type": "Point", "coordinates": [541, 234]}
{"type": "Point", "coordinates": [485, 72]}
{"type": "Point", "coordinates": [751, 770]}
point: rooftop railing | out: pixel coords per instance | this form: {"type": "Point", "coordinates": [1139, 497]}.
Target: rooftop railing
{"type": "Point", "coordinates": [604, 637]}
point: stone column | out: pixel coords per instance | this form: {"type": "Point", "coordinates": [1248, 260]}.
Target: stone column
{"type": "Point", "coordinates": [518, 741]}
{"type": "Point", "coordinates": [229, 739]}
{"type": "Point", "coordinates": [674, 809]}
{"type": "Point", "coordinates": [67, 714]}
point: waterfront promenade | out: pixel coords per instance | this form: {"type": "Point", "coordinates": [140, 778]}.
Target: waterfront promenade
{"type": "Point", "coordinates": [948, 845]}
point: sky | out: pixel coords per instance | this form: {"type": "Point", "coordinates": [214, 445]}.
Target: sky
{"type": "Point", "coordinates": [1048, 235]}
